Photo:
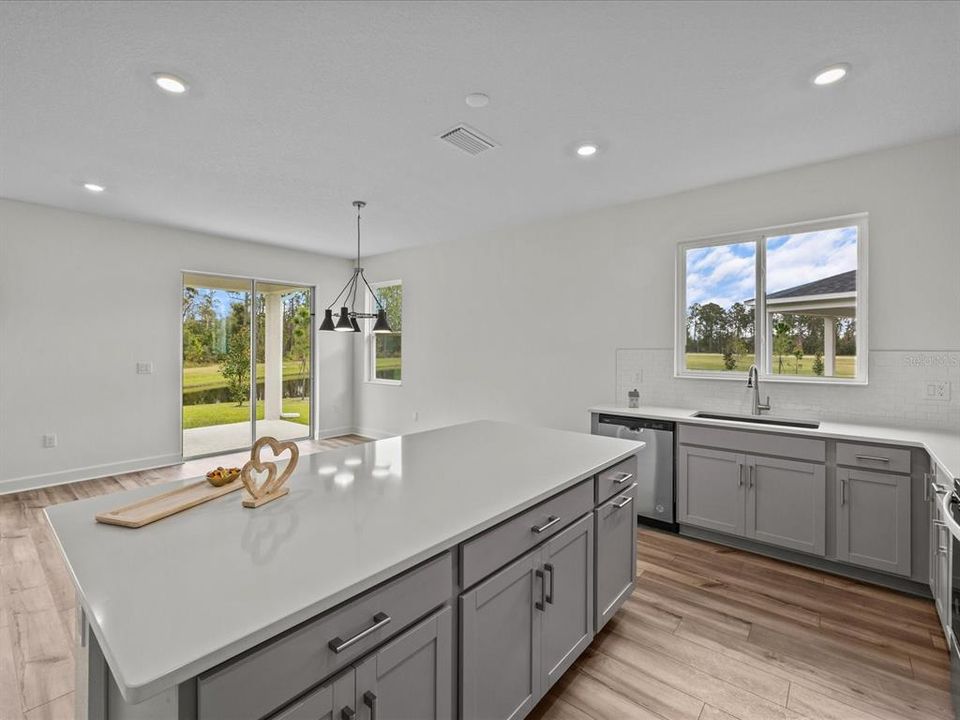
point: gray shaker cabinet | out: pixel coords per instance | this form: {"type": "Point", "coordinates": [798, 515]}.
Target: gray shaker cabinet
{"type": "Point", "coordinates": [411, 676]}
{"type": "Point", "coordinates": [710, 489]}
{"type": "Point", "coordinates": [616, 523]}
{"type": "Point", "coordinates": [873, 520]}
{"type": "Point", "coordinates": [567, 617]}
{"type": "Point", "coordinates": [786, 503]}
{"type": "Point", "coordinates": [500, 642]}
{"type": "Point", "coordinates": [335, 700]}
{"type": "Point", "coordinates": [525, 625]}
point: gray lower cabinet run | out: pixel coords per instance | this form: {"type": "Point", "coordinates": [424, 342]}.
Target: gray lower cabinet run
{"type": "Point", "coordinates": [525, 625]}
{"type": "Point", "coordinates": [330, 701]}
{"type": "Point", "coordinates": [873, 520]}
{"type": "Point", "coordinates": [710, 489]}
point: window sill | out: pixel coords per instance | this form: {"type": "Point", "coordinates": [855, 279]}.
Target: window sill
{"type": "Point", "coordinates": [742, 377]}
{"type": "Point", "coordinates": [394, 383]}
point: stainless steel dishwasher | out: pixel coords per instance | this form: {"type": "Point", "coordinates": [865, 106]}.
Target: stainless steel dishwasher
{"type": "Point", "coordinates": [655, 491]}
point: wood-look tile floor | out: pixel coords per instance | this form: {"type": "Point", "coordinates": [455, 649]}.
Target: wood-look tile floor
{"type": "Point", "coordinates": [37, 601]}
{"type": "Point", "coordinates": [710, 633]}
{"type": "Point", "coordinates": [713, 633]}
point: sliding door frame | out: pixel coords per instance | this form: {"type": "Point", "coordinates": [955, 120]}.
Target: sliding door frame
{"type": "Point", "coordinates": [311, 430]}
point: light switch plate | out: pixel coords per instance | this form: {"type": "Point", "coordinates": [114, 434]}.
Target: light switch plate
{"type": "Point", "coordinates": [144, 368]}
{"type": "Point", "coordinates": [50, 440]}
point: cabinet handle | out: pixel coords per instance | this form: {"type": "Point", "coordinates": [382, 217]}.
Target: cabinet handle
{"type": "Point", "coordinates": [338, 645]}
{"type": "Point", "coordinates": [347, 713]}
{"type": "Point", "coordinates": [551, 521]}
{"type": "Point", "coordinates": [625, 500]}
{"type": "Point", "coordinates": [624, 476]}
{"type": "Point", "coordinates": [739, 474]}
{"type": "Point", "coordinates": [539, 604]}
{"type": "Point", "coordinates": [548, 567]}
{"type": "Point", "coordinates": [843, 491]}
{"type": "Point", "coordinates": [751, 472]}
{"type": "Point", "coordinates": [370, 700]}
{"type": "Point", "coordinates": [873, 458]}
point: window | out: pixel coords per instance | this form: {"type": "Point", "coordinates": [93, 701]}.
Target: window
{"type": "Point", "coordinates": [790, 299]}
{"type": "Point", "coordinates": [385, 362]}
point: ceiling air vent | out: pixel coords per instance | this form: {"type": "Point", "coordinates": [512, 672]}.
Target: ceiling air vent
{"type": "Point", "coordinates": [468, 140]}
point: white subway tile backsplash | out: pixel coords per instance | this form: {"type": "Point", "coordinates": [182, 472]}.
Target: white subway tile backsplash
{"type": "Point", "coordinates": [892, 396]}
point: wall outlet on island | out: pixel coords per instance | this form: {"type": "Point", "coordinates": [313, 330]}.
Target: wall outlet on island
{"type": "Point", "coordinates": [50, 440]}
{"type": "Point", "coordinates": [935, 390]}
{"type": "Point", "coordinates": [144, 368]}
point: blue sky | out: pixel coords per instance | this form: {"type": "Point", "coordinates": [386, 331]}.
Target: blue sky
{"type": "Point", "coordinates": [724, 274]}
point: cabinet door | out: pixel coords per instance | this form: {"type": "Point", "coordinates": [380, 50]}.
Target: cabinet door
{"type": "Point", "coordinates": [410, 677]}
{"type": "Point", "coordinates": [616, 533]}
{"type": "Point", "coordinates": [786, 504]}
{"type": "Point", "coordinates": [873, 520]}
{"type": "Point", "coordinates": [500, 642]}
{"type": "Point", "coordinates": [567, 618]}
{"type": "Point", "coordinates": [710, 489]}
{"type": "Point", "coordinates": [930, 494]}
{"type": "Point", "coordinates": [332, 701]}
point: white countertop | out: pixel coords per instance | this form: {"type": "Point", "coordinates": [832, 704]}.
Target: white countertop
{"type": "Point", "coordinates": [944, 447]}
{"type": "Point", "coordinates": [179, 596]}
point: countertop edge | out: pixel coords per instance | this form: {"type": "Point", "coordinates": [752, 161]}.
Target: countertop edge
{"type": "Point", "coordinates": [135, 691]}
{"type": "Point", "coordinates": [880, 434]}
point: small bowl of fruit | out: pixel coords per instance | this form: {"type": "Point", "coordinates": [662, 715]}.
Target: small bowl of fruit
{"type": "Point", "coordinates": [222, 476]}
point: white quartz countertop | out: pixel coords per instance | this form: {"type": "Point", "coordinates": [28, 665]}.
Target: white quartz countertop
{"type": "Point", "coordinates": [944, 447]}
{"type": "Point", "coordinates": [179, 596]}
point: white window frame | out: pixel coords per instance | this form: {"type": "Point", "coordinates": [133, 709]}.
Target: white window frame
{"type": "Point", "coordinates": [761, 326]}
{"type": "Point", "coordinates": [371, 341]}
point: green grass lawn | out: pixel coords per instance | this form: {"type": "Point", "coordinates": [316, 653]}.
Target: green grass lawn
{"type": "Point", "coordinates": [208, 377]}
{"type": "Point", "coordinates": [195, 416]}
{"type": "Point", "coordinates": [846, 365]}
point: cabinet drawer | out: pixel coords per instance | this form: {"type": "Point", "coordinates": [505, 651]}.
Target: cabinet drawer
{"type": "Point", "coordinates": [280, 669]}
{"type": "Point", "coordinates": [616, 479]}
{"type": "Point", "coordinates": [495, 548]}
{"type": "Point", "coordinates": [874, 457]}
{"type": "Point", "coordinates": [762, 443]}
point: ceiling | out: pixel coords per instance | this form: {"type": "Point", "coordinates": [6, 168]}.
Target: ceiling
{"type": "Point", "coordinates": [296, 109]}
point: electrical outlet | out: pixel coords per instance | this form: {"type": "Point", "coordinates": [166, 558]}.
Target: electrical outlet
{"type": "Point", "coordinates": [938, 390]}
{"type": "Point", "coordinates": [50, 440]}
{"type": "Point", "coordinates": [144, 368]}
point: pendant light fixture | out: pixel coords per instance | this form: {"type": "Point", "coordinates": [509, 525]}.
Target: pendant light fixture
{"type": "Point", "coordinates": [347, 317]}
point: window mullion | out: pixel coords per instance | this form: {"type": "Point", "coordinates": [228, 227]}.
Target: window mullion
{"type": "Point", "coordinates": [761, 330]}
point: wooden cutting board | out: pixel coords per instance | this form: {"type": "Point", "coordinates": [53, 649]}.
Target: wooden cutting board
{"type": "Point", "coordinates": [165, 504]}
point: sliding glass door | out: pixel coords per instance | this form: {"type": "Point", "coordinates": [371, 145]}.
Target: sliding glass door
{"type": "Point", "coordinates": [247, 354]}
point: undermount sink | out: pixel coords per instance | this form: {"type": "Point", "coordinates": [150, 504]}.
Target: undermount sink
{"type": "Point", "coordinates": [758, 419]}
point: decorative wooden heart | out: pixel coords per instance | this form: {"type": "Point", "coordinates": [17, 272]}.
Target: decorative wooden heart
{"type": "Point", "coordinates": [272, 486]}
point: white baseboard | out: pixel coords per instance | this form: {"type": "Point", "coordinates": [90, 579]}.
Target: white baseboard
{"type": "Point", "coordinates": [324, 433]}
{"type": "Point", "coordinates": [371, 433]}
{"type": "Point", "coordinates": [32, 482]}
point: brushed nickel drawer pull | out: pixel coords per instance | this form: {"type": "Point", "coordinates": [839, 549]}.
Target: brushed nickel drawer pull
{"type": "Point", "coordinates": [874, 458]}
{"type": "Point", "coordinates": [625, 498]}
{"type": "Point", "coordinates": [624, 476]}
{"type": "Point", "coordinates": [551, 521]}
{"type": "Point", "coordinates": [626, 501]}
{"type": "Point", "coordinates": [338, 645]}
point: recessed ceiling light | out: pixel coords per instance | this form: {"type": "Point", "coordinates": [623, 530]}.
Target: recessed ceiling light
{"type": "Point", "coordinates": [587, 150]}
{"type": "Point", "coordinates": [832, 74]}
{"type": "Point", "coordinates": [478, 100]}
{"type": "Point", "coordinates": [170, 83]}
{"type": "Point", "coordinates": [93, 187]}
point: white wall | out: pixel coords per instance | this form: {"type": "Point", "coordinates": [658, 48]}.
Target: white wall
{"type": "Point", "coordinates": [524, 325]}
{"type": "Point", "coordinates": [82, 299]}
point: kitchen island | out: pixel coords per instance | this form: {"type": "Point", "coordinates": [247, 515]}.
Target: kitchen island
{"type": "Point", "coordinates": [223, 611]}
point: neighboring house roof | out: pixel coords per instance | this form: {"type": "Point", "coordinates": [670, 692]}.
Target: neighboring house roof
{"type": "Point", "coordinates": [843, 283]}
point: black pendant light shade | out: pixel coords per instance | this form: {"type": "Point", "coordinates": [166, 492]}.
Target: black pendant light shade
{"type": "Point", "coordinates": [344, 324]}
{"type": "Point", "coordinates": [347, 320]}
{"type": "Point", "coordinates": [327, 323]}
{"type": "Point", "coordinates": [382, 326]}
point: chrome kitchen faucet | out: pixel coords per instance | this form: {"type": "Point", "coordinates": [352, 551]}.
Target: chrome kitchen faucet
{"type": "Point", "coordinates": [753, 381]}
